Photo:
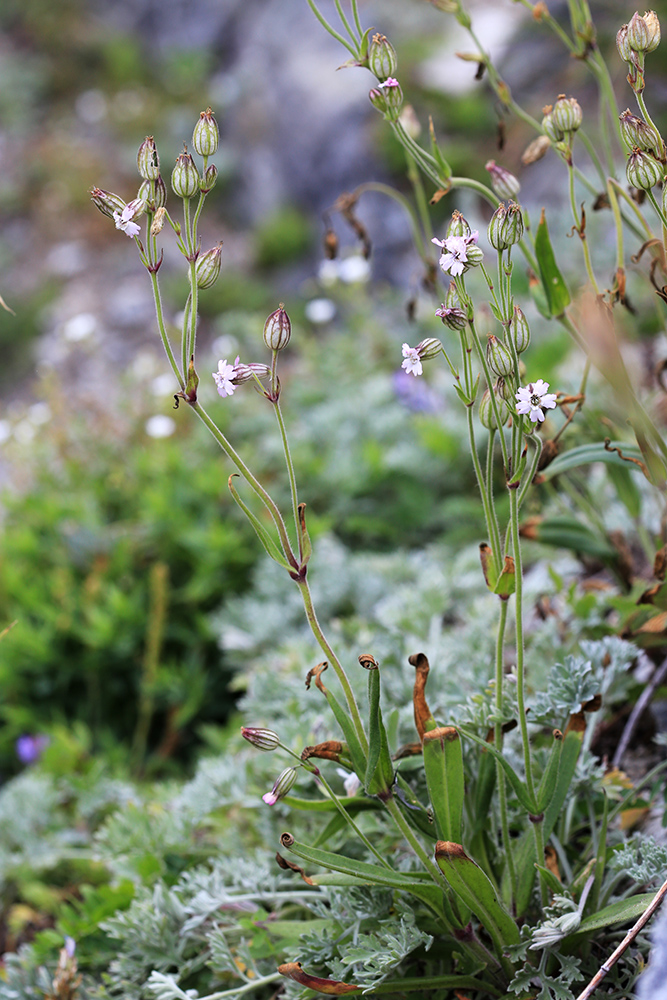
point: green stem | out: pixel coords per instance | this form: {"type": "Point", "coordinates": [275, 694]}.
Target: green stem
{"type": "Point", "coordinates": [488, 375]}
{"type": "Point", "coordinates": [390, 192]}
{"type": "Point", "coordinates": [521, 684]}
{"type": "Point", "coordinates": [345, 23]}
{"type": "Point", "coordinates": [582, 235]}
{"type": "Point", "coordinates": [316, 629]}
{"type": "Point", "coordinates": [332, 31]}
{"type": "Point", "coordinates": [157, 298]}
{"type": "Point", "coordinates": [498, 740]}
{"type": "Point", "coordinates": [290, 468]}
{"type": "Point", "coordinates": [348, 819]}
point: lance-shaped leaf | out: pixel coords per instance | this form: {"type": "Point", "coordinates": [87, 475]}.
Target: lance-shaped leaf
{"type": "Point", "coordinates": [417, 883]}
{"type": "Point", "coordinates": [585, 454]}
{"type": "Point", "coordinates": [356, 752]}
{"type": "Point", "coordinates": [550, 776]}
{"type": "Point", "coordinates": [412, 809]}
{"type": "Point", "coordinates": [476, 890]}
{"type": "Point", "coordinates": [555, 289]}
{"type": "Point", "coordinates": [489, 566]}
{"type": "Point", "coordinates": [444, 168]}
{"type": "Point", "coordinates": [379, 769]}
{"type": "Point", "coordinates": [423, 716]}
{"type": "Point", "coordinates": [443, 767]}
{"type": "Point", "coordinates": [332, 987]}
{"type": "Point", "coordinates": [484, 788]}
{"type": "Point", "coordinates": [517, 785]}
{"type": "Point", "coordinates": [270, 546]}
{"type": "Point", "coordinates": [620, 912]}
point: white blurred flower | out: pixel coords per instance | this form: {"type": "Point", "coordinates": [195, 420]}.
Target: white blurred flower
{"type": "Point", "coordinates": [354, 269]}
{"type": "Point", "coordinates": [160, 426]}
{"type": "Point", "coordinates": [320, 311]}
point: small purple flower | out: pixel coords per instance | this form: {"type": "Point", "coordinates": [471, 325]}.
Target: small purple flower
{"type": "Point", "coordinates": [412, 364]}
{"type": "Point", "coordinates": [29, 748]}
{"type": "Point", "coordinates": [224, 378]}
{"type": "Point", "coordinates": [534, 398]}
{"type": "Point", "coordinates": [389, 82]}
{"type": "Point", "coordinates": [454, 256]}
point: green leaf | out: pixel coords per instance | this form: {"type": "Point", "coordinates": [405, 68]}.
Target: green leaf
{"type": "Point", "coordinates": [379, 769]}
{"type": "Point", "coordinates": [555, 289]}
{"type": "Point", "coordinates": [621, 912]}
{"type": "Point", "coordinates": [443, 767]}
{"type": "Point", "coordinates": [369, 873]}
{"type": "Point", "coordinates": [550, 777]}
{"type": "Point", "coordinates": [585, 454]}
{"type": "Point", "coordinates": [268, 543]}
{"type": "Point", "coordinates": [476, 890]}
{"type": "Point", "coordinates": [569, 533]}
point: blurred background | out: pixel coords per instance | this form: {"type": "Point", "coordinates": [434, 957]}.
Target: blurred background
{"type": "Point", "coordinates": [120, 544]}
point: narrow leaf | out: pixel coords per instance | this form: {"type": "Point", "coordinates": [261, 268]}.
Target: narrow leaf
{"type": "Point", "coordinates": [270, 546]}
{"type": "Point", "coordinates": [585, 454]}
{"type": "Point", "coordinates": [553, 282]}
{"type": "Point", "coordinates": [443, 767]}
{"type": "Point", "coordinates": [518, 786]}
{"type": "Point", "coordinates": [550, 776]}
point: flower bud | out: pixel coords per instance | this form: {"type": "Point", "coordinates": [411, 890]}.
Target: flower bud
{"type": "Point", "coordinates": [382, 59]}
{"type": "Point", "coordinates": [135, 208]}
{"type": "Point", "coordinates": [185, 177]}
{"type": "Point", "coordinates": [158, 222]}
{"type": "Point", "coordinates": [207, 267]}
{"type": "Point", "coordinates": [566, 115]}
{"type": "Point", "coordinates": [458, 225]}
{"type": "Point", "coordinates": [637, 132]}
{"type": "Point", "coordinates": [452, 317]}
{"type": "Point", "coordinates": [486, 414]}
{"type": "Point", "coordinates": [549, 126]}
{"type": "Point", "coordinates": [159, 197]}
{"type": "Point", "coordinates": [519, 330]}
{"type": "Point", "coordinates": [642, 170]}
{"type": "Point", "coordinates": [623, 45]}
{"type": "Point", "coordinates": [282, 786]}
{"type": "Point", "coordinates": [429, 348]}
{"type": "Point", "coordinates": [106, 201]}
{"type": "Point", "coordinates": [638, 33]}
{"type": "Point", "coordinates": [535, 150]}
{"type": "Point", "coordinates": [247, 373]}
{"type": "Point", "coordinates": [148, 161]}
{"type": "Point", "coordinates": [504, 388]}
{"type": "Point", "coordinates": [207, 183]}
{"type": "Point", "coordinates": [393, 97]}
{"type": "Point", "coordinates": [653, 25]}
{"type": "Point", "coordinates": [506, 226]}
{"type": "Point", "coordinates": [504, 184]}
{"type": "Point", "coordinates": [263, 739]}
{"type": "Point", "coordinates": [498, 357]}
{"type": "Point", "coordinates": [206, 135]}
{"type": "Point", "coordinates": [474, 255]}
{"type": "Point", "coordinates": [378, 100]}
{"type": "Point", "coordinates": [277, 329]}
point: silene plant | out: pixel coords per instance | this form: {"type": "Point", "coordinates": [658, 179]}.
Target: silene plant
{"type": "Point", "coordinates": [494, 838]}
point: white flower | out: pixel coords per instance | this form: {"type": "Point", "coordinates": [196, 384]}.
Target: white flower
{"type": "Point", "coordinates": [412, 363]}
{"type": "Point", "coordinates": [123, 219]}
{"type": "Point", "coordinates": [534, 398]}
{"type": "Point", "coordinates": [223, 378]}
{"type": "Point", "coordinates": [454, 256]}
{"type": "Point", "coordinates": [351, 784]}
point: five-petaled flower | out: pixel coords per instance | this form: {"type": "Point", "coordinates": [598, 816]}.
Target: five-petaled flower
{"type": "Point", "coordinates": [412, 363]}
{"type": "Point", "coordinates": [224, 378]}
{"type": "Point", "coordinates": [534, 398]}
{"type": "Point", "coordinates": [454, 255]}
{"type": "Point", "coordinates": [389, 82]}
{"type": "Point", "coordinates": [124, 221]}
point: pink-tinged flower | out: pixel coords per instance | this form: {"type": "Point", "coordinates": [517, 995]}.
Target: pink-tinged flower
{"type": "Point", "coordinates": [412, 363]}
{"type": "Point", "coordinates": [124, 219]}
{"type": "Point", "coordinates": [224, 378]}
{"type": "Point", "coordinates": [263, 739]}
{"type": "Point", "coordinates": [281, 786]}
{"type": "Point", "coordinates": [454, 255]}
{"type": "Point", "coordinates": [533, 399]}
{"type": "Point", "coordinates": [389, 82]}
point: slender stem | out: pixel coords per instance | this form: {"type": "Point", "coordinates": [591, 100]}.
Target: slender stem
{"type": "Point", "coordinates": [581, 233]}
{"type": "Point", "coordinates": [357, 20]}
{"type": "Point", "coordinates": [488, 375]}
{"type": "Point", "coordinates": [290, 466]}
{"type": "Point", "coordinates": [595, 160]}
{"type": "Point", "coordinates": [521, 684]}
{"type": "Point", "coordinates": [619, 189]}
{"type": "Point", "coordinates": [496, 542]}
{"type": "Point", "coordinates": [157, 298]}
{"type": "Point", "coordinates": [348, 819]}
{"type": "Point", "coordinates": [317, 631]}
{"type": "Point", "coordinates": [536, 440]}
{"type": "Point", "coordinates": [332, 31]}
{"type": "Point", "coordinates": [498, 740]}
{"type": "Point", "coordinates": [491, 524]}
{"type": "Point", "coordinates": [415, 179]}
{"type": "Point", "coordinates": [390, 192]}
{"type": "Point", "coordinates": [659, 211]}
{"type": "Point", "coordinates": [238, 991]}
{"type": "Point", "coordinates": [344, 21]}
